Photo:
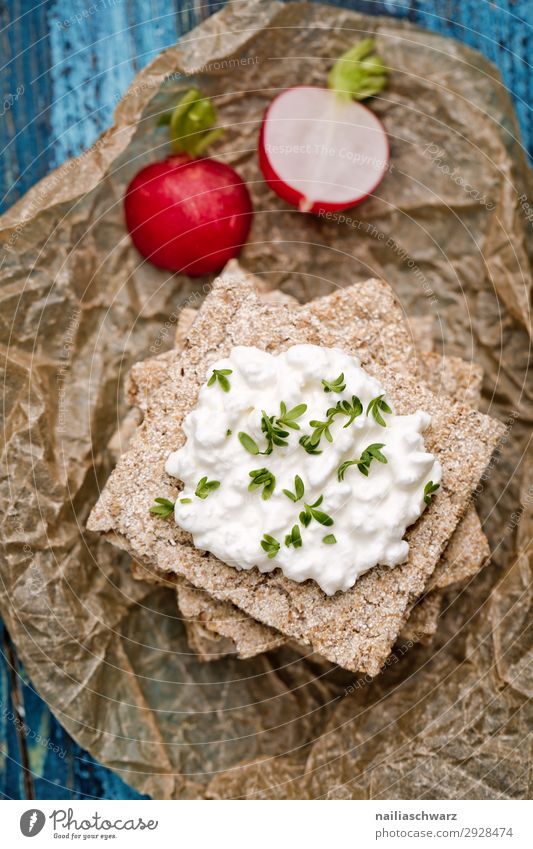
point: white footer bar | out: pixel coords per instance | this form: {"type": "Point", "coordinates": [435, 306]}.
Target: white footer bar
{"type": "Point", "coordinates": [269, 824]}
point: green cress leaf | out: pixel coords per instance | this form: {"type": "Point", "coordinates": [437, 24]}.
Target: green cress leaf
{"type": "Point", "coordinates": [275, 435]}
{"type": "Point", "coordinates": [185, 500]}
{"type": "Point", "coordinates": [298, 489]}
{"type": "Point", "coordinates": [343, 468]}
{"type": "Point", "coordinates": [223, 382]}
{"type": "Point", "coordinates": [322, 518]}
{"type": "Point", "coordinates": [305, 518]}
{"type": "Point", "coordinates": [352, 409]}
{"type": "Point", "coordinates": [304, 441]}
{"type": "Point", "coordinates": [429, 490]}
{"type": "Point", "coordinates": [270, 545]}
{"type": "Point", "coordinates": [294, 538]}
{"type": "Point", "coordinates": [273, 427]}
{"type": "Point", "coordinates": [376, 407]}
{"type": "Point", "coordinates": [310, 512]}
{"type": "Point", "coordinates": [162, 507]}
{"type": "Point", "coordinates": [262, 478]}
{"type": "Point", "coordinates": [204, 488]}
{"type": "Point", "coordinates": [374, 451]}
{"type": "Point", "coordinates": [320, 429]}
{"type": "Point", "coordinates": [220, 376]}
{"type": "Point", "coordinates": [248, 443]}
{"type": "Point", "coordinates": [371, 452]}
{"type": "Point", "coordinates": [287, 418]}
{"type": "Point", "coordinates": [337, 385]}
{"type": "Point", "coordinates": [329, 539]}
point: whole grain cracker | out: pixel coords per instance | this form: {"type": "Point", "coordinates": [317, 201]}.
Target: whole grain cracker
{"type": "Point", "coordinates": [355, 629]}
{"type": "Point", "coordinates": [206, 645]}
{"type": "Point", "coordinates": [422, 328]}
{"type": "Point", "coordinates": [247, 637]}
{"type": "Point", "coordinates": [465, 553]}
{"type": "Point", "coordinates": [423, 621]}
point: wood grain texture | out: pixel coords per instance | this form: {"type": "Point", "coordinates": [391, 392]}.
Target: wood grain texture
{"type": "Point", "coordinates": [63, 67]}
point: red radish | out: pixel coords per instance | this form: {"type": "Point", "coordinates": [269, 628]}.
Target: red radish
{"type": "Point", "coordinates": [189, 213]}
{"type": "Point", "coordinates": [318, 149]}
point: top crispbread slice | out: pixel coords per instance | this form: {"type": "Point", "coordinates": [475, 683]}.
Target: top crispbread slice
{"type": "Point", "coordinates": [451, 376]}
{"type": "Point", "coordinates": [355, 629]}
{"type": "Point", "coordinates": [463, 556]}
{"type": "Point", "coordinates": [454, 377]}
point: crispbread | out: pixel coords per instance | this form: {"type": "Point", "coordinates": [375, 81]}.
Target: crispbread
{"type": "Point", "coordinates": [222, 619]}
{"type": "Point", "coordinates": [206, 645]}
{"type": "Point", "coordinates": [355, 629]}
{"type": "Point", "coordinates": [145, 377]}
{"type": "Point", "coordinates": [421, 626]}
{"type": "Point", "coordinates": [454, 377]}
{"type": "Point", "coordinates": [463, 556]}
{"type": "Point", "coordinates": [422, 328]}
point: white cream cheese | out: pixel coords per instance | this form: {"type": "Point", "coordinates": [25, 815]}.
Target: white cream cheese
{"type": "Point", "coordinates": [369, 514]}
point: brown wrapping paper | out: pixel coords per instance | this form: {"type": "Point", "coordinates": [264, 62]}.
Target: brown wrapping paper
{"type": "Point", "coordinates": [448, 229]}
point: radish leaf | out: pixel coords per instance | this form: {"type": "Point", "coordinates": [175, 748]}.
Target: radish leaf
{"type": "Point", "coordinates": [359, 73]}
{"type": "Point", "coordinates": [191, 124]}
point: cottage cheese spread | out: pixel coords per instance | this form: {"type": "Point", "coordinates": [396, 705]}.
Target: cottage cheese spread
{"type": "Point", "coordinates": [328, 509]}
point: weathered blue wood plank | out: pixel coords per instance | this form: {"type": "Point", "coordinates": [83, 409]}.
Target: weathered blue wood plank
{"type": "Point", "coordinates": [91, 60]}
{"type": "Point", "coordinates": [95, 57]}
{"type": "Point", "coordinates": [25, 98]}
{"type": "Point", "coordinates": [502, 31]}
{"type": "Point", "coordinates": [11, 784]}
{"type": "Point", "coordinates": [57, 768]}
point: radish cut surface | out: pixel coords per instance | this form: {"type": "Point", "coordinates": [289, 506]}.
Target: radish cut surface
{"type": "Point", "coordinates": [320, 152]}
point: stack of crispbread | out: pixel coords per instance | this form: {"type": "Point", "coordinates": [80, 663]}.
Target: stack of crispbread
{"type": "Point", "coordinates": [247, 612]}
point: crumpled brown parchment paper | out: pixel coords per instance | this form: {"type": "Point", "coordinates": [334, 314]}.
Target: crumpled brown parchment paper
{"type": "Point", "coordinates": [449, 229]}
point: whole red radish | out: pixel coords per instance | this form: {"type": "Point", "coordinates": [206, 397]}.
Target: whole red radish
{"type": "Point", "coordinates": [189, 213]}
{"type": "Point", "coordinates": [321, 151]}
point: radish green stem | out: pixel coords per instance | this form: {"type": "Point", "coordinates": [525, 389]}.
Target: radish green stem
{"type": "Point", "coordinates": [359, 73]}
{"type": "Point", "coordinates": [191, 124]}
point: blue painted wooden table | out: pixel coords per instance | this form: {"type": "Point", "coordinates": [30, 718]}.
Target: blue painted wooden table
{"type": "Point", "coordinates": [64, 66]}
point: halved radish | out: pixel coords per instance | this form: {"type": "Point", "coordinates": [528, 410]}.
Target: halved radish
{"type": "Point", "coordinates": [318, 149]}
